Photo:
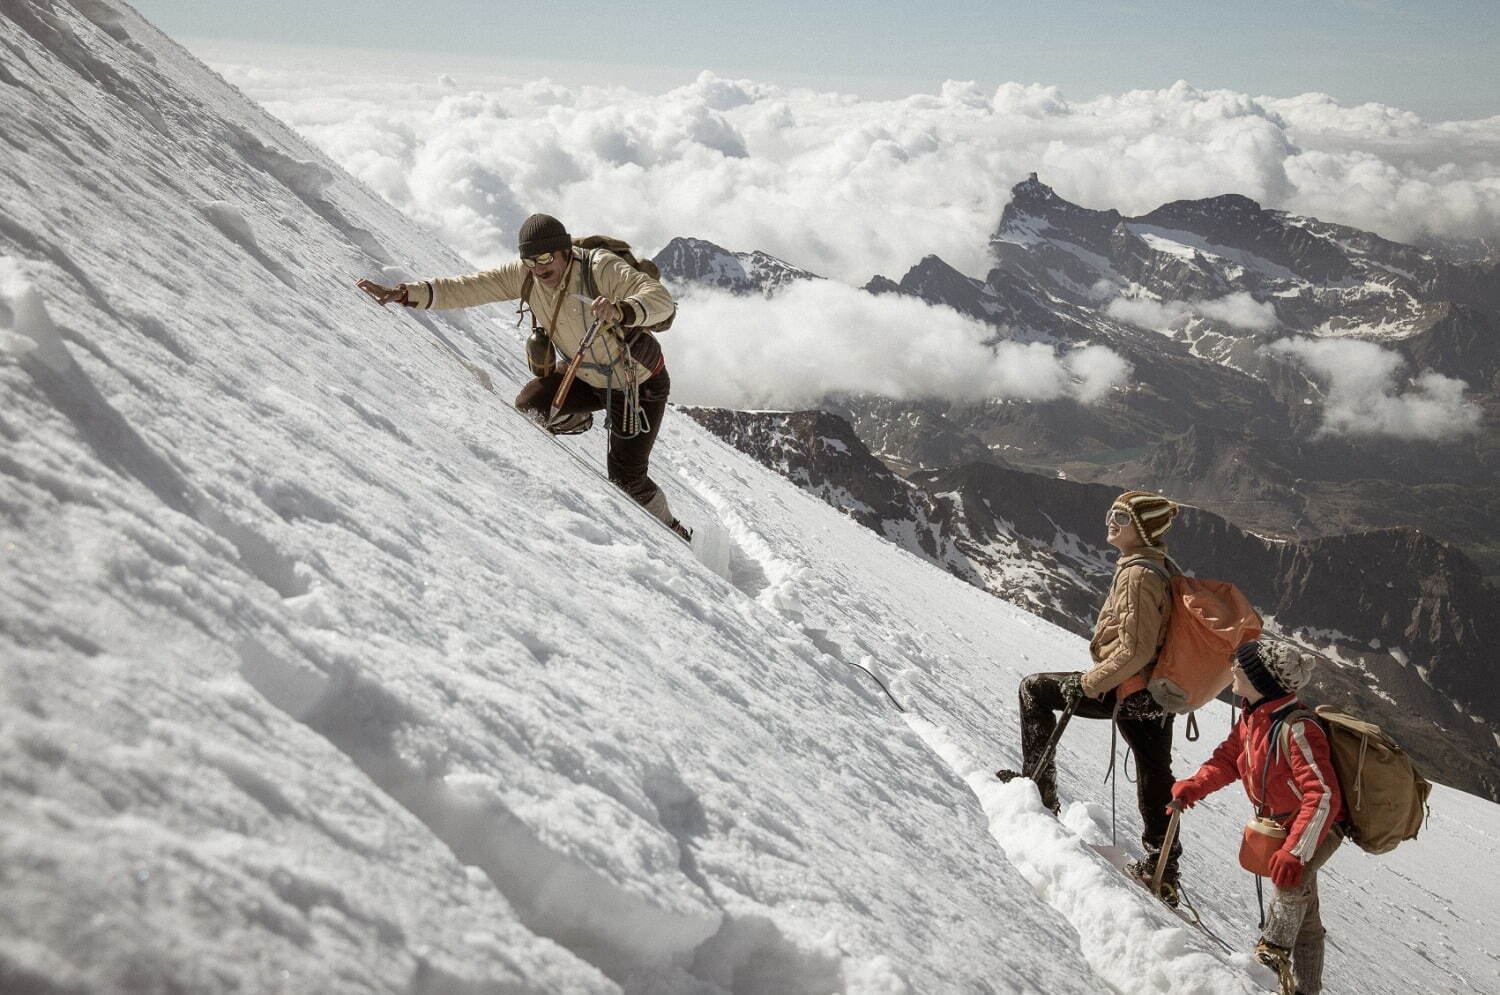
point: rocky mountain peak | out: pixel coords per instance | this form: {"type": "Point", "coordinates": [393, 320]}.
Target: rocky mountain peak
{"type": "Point", "coordinates": [1033, 199]}
{"type": "Point", "coordinates": [686, 261]}
{"type": "Point", "coordinates": [1229, 206]}
{"type": "Point", "coordinates": [934, 280]}
{"type": "Point", "coordinates": [1032, 191]}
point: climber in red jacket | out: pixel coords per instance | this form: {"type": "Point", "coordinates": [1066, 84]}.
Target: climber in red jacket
{"type": "Point", "coordinates": [1283, 761]}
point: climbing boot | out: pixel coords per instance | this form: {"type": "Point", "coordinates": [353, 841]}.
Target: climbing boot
{"type": "Point", "coordinates": [571, 424]}
{"type": "Point", "coordinates": [1278, 959]}
{"type": "Point", "coordinates": [1047, 791]}
{"type": "Point", "coordinates": [1144, 871]}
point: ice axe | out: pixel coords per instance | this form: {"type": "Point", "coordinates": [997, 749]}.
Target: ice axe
{"type": "Point", "coordinates": [571, 373]}
{"type": "Point", "coordinates": [1166, 851]}
{"type": "Point", "coordinates": [1051, 747]}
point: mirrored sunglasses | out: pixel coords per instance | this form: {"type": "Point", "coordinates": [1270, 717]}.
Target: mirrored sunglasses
{"type": "Point", "coordinates": [540, 259]}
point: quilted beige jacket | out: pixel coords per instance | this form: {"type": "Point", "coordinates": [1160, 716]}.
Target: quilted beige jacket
{"type": "Point", "coordinates": [1131, 625]}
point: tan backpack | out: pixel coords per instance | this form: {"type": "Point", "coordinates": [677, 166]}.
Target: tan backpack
{"type": "Point", "coordinates": [1385, 796]}
{"type": "Point", "coordinates": [1209, 619]}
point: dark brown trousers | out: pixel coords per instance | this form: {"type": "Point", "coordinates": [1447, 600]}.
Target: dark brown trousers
{"type": "Point", "coordinates": [629, 460]}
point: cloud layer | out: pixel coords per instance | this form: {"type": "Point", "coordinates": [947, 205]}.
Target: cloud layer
{"type": "Point", "coordinates": [1364, 394]}
{"type": "Point", "coordinates": [1238, 310]}
{"type": "Point", "coordinates": [850, 187]}
{"type": "Point", "coordinates": [819, 338]}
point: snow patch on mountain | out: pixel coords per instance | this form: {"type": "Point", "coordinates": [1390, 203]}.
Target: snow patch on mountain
{"type": "Point", "coordinates": [1188, 244]}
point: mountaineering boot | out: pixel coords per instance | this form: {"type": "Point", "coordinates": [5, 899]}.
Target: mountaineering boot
{"type": "Point", "coordinates": [1278, 959]}
{"type": "Point", "coordinates": [573, 424]}
{"type": "Point", "coordinates": [1144, 871]}
{"type": "Point", "coordinates": [683, 532]}
{"type": "Point", "coordinates": [1048, 792]}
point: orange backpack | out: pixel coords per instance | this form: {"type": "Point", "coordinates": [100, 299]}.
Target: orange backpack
{"type": "Point", "coordinates": [1209, 619]}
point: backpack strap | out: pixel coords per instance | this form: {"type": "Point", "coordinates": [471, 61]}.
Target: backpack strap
{"type": "Point", "coordinates": [589, 288]}
{"type": "Point", "coordinates": [1280, 735]}
{"type": "Point", "coordinates": [628, 335]}
{"type": "Point", "coordinates": [1161, 570]}
{"type": "Point", "coordinates": [524, 306]}
{"type": "Point", "coordinates": [1281, 723]}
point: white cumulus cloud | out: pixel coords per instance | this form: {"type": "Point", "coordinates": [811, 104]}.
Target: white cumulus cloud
{"type": "Point", "coordinates": [849, 187]}
{"type": "Point", "coordinates": [820, 338]}
{"type": "Point", "coordinates": [1365, 393]}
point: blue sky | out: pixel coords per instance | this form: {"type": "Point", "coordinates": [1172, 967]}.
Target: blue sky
{"type": "Point", "coordinates": [1437, 58]}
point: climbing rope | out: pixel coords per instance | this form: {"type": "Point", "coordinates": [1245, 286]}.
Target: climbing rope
{"type": "Point", "coordinates": [1197, 920]}
{"type": "Point", "coordinates": [877, 680]}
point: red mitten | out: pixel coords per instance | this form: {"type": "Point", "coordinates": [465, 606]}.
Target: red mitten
{"type": "Point", "coordinates": [1188, 793]}
{"type": "Point", "coordinates": [1286, 870]}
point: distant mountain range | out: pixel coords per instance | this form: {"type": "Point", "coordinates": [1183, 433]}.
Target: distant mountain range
{"type": "Point", "coordinates": [1209, 416]}
{"type": "Point", "coordinates": [1370, 550]}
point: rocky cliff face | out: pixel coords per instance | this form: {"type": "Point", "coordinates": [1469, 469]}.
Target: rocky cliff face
{"type": "Point", "coordinates": [821, 453]}
{"type": "Point", "coordinates": [1403, 622]}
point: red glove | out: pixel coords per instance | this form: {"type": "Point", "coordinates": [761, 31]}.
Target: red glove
{"type": "Point", "coordinates": [1286, 870]}
{"type": "Point", "coordinates": [1187, 793]}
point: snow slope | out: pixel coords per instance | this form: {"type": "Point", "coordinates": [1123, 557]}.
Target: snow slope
{"type": "Point", "coordinates": [321, 669]}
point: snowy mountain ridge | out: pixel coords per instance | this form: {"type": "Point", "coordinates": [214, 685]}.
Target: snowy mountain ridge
{"type": "Point", "coordinates": [699, 262]}
{"type": "Point", "coordinates": [323, 670]}
{"type": "Point", "coordinates": [1209, 248]}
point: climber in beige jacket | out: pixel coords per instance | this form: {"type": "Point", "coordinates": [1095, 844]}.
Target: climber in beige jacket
{"type": "Point", "coordinates": [622, 369]}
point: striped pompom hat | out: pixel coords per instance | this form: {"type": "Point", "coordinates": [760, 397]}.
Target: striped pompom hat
{"type": "Point", "coordinates": [1151, 513]}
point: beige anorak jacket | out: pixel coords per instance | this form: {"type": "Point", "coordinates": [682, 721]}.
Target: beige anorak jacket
{"type": "Point", "coordinates": [1132, 624]}
{"type": "Point", "coordinates": [644, 300]}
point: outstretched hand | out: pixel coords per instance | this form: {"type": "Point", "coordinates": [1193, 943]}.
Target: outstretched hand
{"type": "Point", "coordinates": [381, 294]}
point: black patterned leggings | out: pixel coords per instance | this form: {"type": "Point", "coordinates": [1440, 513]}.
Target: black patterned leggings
{"type": "Point", "coordinates": [1144, 726]}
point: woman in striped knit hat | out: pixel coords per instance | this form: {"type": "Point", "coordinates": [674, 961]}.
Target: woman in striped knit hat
{"type": "Point", "coordinates": [1129, 633]}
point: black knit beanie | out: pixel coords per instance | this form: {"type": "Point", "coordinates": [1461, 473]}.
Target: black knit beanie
{"type": "Point", "coordinates": [1248, 656]}
{"type": "Point", "coordinates": [542, 233]}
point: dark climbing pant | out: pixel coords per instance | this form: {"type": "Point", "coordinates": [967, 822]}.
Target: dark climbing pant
{"type": "Point", "coordinates": [1144, 726]}
{"type": "Point", "coordinates": [629, 460]}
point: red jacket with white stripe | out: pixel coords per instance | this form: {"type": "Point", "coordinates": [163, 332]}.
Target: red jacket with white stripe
{"type": "Point", "coordinates": [1301, 788]}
